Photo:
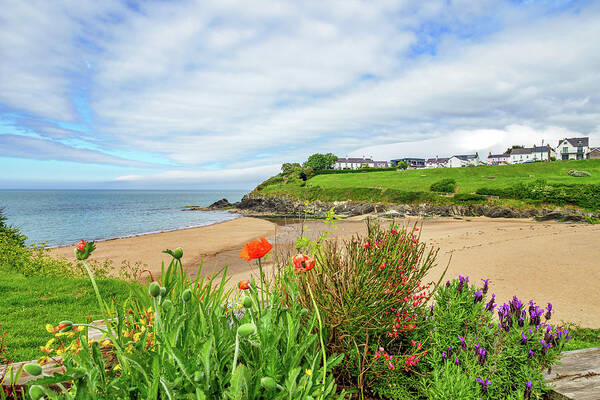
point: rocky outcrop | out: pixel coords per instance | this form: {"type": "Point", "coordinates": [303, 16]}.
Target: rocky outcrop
{"type": "Point", "coordinates": [253, 204]}
{"type": "Point", "coordinates": [217, 205]}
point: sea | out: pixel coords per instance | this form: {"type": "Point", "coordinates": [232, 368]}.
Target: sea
{"type": "Point", "coordinates": [63, 217]}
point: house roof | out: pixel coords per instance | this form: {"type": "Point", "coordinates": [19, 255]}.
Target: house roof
{"type": "Point", "coordinates": [541, 149]}
{"type": "Point", "coordinates": [521, 151]}
{"type": "Point", "coordinates": [594, 149]}
{"type": "Point", "coordinates": [504, 155]}
{"type": "Point", "coordinates": [466, 157]}
{"type": "Point", "coordinates": [356, 160]}
{"type": "Point", "coordinates": [576, 142]}
{"type": "Point", "coordinates": [437, 160]}
{"type": "Point", "coordinates": [408, 159]}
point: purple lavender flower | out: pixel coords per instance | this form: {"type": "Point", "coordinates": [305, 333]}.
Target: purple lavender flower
{"type": "Point", "coordinates": [485, 286]}
{"type": "Point", "coordinates": [478, 297]}
{"type": "Point", "coordinates": [523, 338]}
{"type": "Point", "coordinates": [481, 353]}
{"type": "Point", "coordinates": [447, 283]}
{"type": "Point", "coordinates": [491, 325]}
{"type": "Point", "coordinates": [527, 393]}
{"type": "Point", "coordinates": [449, 351]}
{"type": "Point", "coordinates": [548, 312]}
{"type": "Point", "coordinates": [484, 384]}
{"type": "Point", "coordinates": [545, 346]}
{"type": "Point", "coordinates": [456, 361]}
{"type": "Point", "coordinates": [443, 356]}
{"type": "Point", "coordinates": [530, 354]}
{"type": "Point", "coordinates": [462, 342]}
{"type": "Point", "coordinates": [490, 305]}
{"type": "Point", "coordinates": [521, 322]}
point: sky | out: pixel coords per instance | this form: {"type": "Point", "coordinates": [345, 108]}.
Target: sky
{"type": "Point", "coordinates": [218, 94]}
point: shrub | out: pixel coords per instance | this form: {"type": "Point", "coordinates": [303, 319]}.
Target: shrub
{"type": "Point", "coordinates": [447, 185]}
{"type": "Point", "coordinates": [578, 174]}
{"type": "Point", "coordinates": [371, 294]}
{"type": "Point", "coordinates": [13, 234]}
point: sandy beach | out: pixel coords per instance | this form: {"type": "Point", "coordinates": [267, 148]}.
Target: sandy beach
{"type": "Point", "coordinates": [546, 261]}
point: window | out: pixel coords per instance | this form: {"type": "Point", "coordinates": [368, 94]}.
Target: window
{"type": "Point", "coordinates": [580, 149]}
{"type": "Point", "coordinates": [565, 150]}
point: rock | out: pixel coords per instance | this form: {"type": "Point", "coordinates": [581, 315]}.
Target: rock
{"type": "Point", "coordinates": [499, 212]}
{"type": "Point", "coordinates": [220, 204]}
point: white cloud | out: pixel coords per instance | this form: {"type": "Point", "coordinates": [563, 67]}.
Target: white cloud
{"type": "Point", "coordinates": [257, 83]}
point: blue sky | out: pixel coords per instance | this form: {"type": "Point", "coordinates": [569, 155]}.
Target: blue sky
{"type": "Point", "coordinates": [217, 94]}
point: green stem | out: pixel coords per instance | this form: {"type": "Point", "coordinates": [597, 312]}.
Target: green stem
{"type": "Point", "coordinates": [235, 354]}
{"type": "Point", "coordinates": [262, 292]}
{"type": "Point", "coordinates": [320, 336]}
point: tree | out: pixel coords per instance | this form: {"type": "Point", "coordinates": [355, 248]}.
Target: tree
{"type": "Point", "coordinates": [320, 161]}
{"type": "Point", "coordinates": [11, 232]}
{"type": "Point", "coordinates": [286, 168]}
{"type": "Point", "coordinates": [402, 165]}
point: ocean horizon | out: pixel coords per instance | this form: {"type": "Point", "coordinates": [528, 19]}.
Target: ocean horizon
{"type": "Point", "coordinates": [63, 217]}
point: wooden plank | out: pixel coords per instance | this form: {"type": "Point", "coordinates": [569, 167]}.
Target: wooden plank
{"type": "Point", "coordinates": [577, 377]}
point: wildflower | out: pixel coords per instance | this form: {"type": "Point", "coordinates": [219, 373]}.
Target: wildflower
{"type": "Point", "coordinates": [481, 353]}
{"type": "Point", "coordinates": [548, 312]}
{"type": "Point", "coordinates": [485, 286]}
{"type": "Point", "coordinates": [308, 372]}
{"type": "Point", "coordinates": [81, 245]}
{"type": "Point", "coordinates": [256, 249]}
{"type": "Point", "coordinates": [478, 297]}
{"type": "Point", "coordinates": [530, 354]}
{"type": "Point", "coordinates": [244, 285]}
{"type": "Point", "coordinates": [462, 342]}
{"type": "Point", "coordinates": [456, 361]}
{"type": "Point", "coordinates": [523, 338]}
{"type": "Point", "coordinates": [303, 263]}
{"type": "Point", "coordinates": [443, 356]}
{"type": "Point", "coordinates": [484, 384]}
{"type": "Point", "coordinates": [527, 393]}
{"type": "Point", "coordinates": [391, 366]}
{"type": "Point", "coordinates": [449, 351]}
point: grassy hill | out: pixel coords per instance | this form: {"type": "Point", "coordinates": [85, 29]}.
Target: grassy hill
{"type": "Point", "coordinates": [549, 178]}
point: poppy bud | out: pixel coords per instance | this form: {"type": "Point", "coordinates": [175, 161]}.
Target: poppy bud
{"type": "Point", "coordinates": [163, 291]}
{"type": "Point", "coordinates": [154, 289]}
{"type": "Point", "coordinates": [246, 329]}
{"type": "Point", "coordinates": [65, 326]}
{"type": "Point", "coordinates": [247, 302]}
{"type": "Point", "coordinates": [167, 305]}
{"type": "Point", "coordinates": [36, 392]}
{"type": "Point", "coordinates": [186, 295]}
{"type": "Point", "coordinates": [83, 250]}
{"type": "Point", "coordinates": [178, 253]}
{"type": "Point", "coordinates": [33, 369]}
{"type": "Point", "coordinates": [268, 383]}
{"type": "Point", "coordinates": [244, 285]}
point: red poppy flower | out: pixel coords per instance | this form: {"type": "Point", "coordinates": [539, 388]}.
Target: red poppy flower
{"type": "Point", "coordinates": [81, 245]}
{"type": "Point", "coordinates": [256, 249]}
{"type": "Point", "coordinates": [244, 285]}
{"type": "Point", "coordinates": [303, 263]}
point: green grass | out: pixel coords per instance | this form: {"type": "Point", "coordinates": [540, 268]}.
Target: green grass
{"type": "Point", "coordinates": [583, 338]}
{"type": "Point", "coordinates": [27, 304]}
{"type": "Point", "coordinates": [468, 180]}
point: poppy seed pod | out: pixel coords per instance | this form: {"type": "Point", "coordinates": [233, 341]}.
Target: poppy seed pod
{"type": "Point", "coordinates": [246, 330]}
{"type": "Point", "coordinates": [247, 302]}
{"type": "Point", "coordinates": [154, 289]}
{"type": "Point", "coordinates": [268, 383]}
{"type": "Point", "coordinates": [65, 326]}
{"type": "Point", "coordinates": [163, 291]}
{"type": "Point", "coordinates": [186, 295]}
{"type": "Point", "coordinates": [167, 305]}
{"type": "Point", "coordinates": [178, 253]}
{"type": "Point", "coordinates": [33, 369]}
{"type": "Point", "coordinates": [36, 392]}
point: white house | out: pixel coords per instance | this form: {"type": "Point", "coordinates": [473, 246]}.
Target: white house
{"type": "Point", "coordinates": [356, 163]}
{"type": "Point", "coordinates": [520, 156]}
{"type": "Point", "coordinates": [436, 162]}
{"type": "Point", "coordinates": [498, 159]}
{"type": "Point", "coordinates": [573, 148]}
{"type": "Point", "coordinates": [463, 161]}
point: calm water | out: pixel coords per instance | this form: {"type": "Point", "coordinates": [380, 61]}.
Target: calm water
{"type": "Point", "coordinates": [60, 217]}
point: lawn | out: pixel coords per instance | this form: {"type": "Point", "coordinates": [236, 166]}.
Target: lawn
{"type": "Point", "coordinates": [468, 179]}
{"type": "Point", "coordinates": [27, 304]}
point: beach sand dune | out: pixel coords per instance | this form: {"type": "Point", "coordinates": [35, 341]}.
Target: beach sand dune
{"type": "Point", "coordinates": [544, 261]}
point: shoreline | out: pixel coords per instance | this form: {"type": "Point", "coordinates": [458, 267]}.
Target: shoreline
{"type": "Point", "coordinates": [134, 235]}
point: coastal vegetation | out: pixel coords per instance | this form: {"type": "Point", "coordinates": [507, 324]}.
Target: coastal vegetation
{"type": "Point", "coordinates": [521, 185]}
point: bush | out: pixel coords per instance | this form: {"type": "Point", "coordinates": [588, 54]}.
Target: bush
{"type": "Point", "coordinates": [469, 198]}
{"type": "Point", "coordinates": [11, 233]}
{"type": "Point", "coordinates": [371, 293]}
{"type": "Point", "coordinates": [578, 174]}
{"type": "Point", "coordinates": [582, 195]}
{"type": "Point", "coordinates": [447, 185]}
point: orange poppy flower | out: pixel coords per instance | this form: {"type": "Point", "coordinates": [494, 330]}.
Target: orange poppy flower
{"type": "Point", "coordinates": [303, 263]}
{"type": "Point", "coordinates": [256, 249]}
{"type": "Point", "coordinates": [243, 285]}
